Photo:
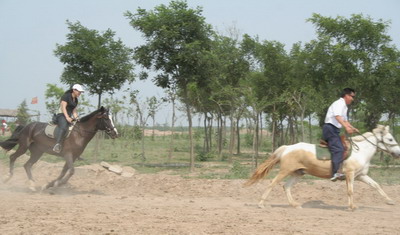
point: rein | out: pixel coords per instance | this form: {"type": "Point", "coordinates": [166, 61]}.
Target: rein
{"type": "Point", "coordinates": [376, 145]}
{"type": "Point", "coordinates": [102, 122]}
{"type": "Point", "coordinates": [78, 129]}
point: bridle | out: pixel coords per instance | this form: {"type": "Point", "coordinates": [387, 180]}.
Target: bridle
{"type": "Point", "coordinates": [377, 144]}
{"type": "Point", "coordinates": [102, 125]}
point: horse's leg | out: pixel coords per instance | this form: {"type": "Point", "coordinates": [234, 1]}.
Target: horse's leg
{"type": "Point", "coordinates": [350, 189]}
{"type": "Point", "coordinates": [281, 175]}
{"type": "Point", "coordinates": [21, 150]}
{"type": "Point", "coordinates": [35, 155]}
{"type": "Point", "coordinates": [68, 167]}
{"type": "Point", "coordinates": [55, 182]}
{"type": "Point", "coordinates": [368, 180]}
{"type": "Point", "coordinates": [293, 179]}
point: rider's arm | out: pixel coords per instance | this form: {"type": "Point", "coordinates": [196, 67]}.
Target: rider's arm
{"type": "Point", "coordinates": [64, 111]}
{"type": "Point", "coordinates": [347, 126]}
{"type": "Point", "coordinates": [75, 114]}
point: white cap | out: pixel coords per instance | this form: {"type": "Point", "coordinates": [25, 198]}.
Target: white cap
{"type": "Point", "coordinates": [78, 87]}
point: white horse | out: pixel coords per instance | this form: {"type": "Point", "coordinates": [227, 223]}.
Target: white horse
{"type": "Point", "coordinates": [299, 159]}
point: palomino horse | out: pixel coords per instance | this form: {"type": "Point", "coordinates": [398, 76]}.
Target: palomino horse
{"type": "Point", "coordinates": [33, 137]}
{"type": "Point", "coordinates": [299, 159]}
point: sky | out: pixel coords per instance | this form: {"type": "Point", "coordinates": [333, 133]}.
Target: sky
{"type": "Point", "coordinates": [30, 30]}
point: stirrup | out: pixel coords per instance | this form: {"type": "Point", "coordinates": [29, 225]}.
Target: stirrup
{"type": "Point", "coordinates": [57, 148]}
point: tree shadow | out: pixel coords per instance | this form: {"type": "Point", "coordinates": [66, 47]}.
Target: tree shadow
{"type": "Point", "coordinates": [70, 191]}
{"type": "Point", "coordinates": [318, 204]}
{"type": "Point", "coordinates": [66, 190]}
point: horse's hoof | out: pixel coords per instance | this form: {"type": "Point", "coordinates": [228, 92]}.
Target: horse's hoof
{"type": "Point", "coordinates": [390, 202]}
{"type": "Point", "coordinates": [6, 178]}
{"type": "Point", "coordinates": [44, 187]}
{"type": "Point", "coordinates": [56, 184]}
{"type": "Point", "coordinates": [352, 208]}
{"type": "Point", "coordinates": [32, 188]}
{"type": "Point", "coordinates": [261, 206]}
{"type": "Point", "coordinates": [298, 206]}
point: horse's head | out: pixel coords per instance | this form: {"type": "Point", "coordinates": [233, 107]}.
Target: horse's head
{"type": "Point", "coordinates": [386, 141]}
{"type": "Point", "coordinates": [105, 123]}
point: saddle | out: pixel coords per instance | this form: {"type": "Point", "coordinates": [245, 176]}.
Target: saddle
{"type": "Point", "coordinates": [323, 151]}
{"type": "Point", "coordinates": [51, 128]}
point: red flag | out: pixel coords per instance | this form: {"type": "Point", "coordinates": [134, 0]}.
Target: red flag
{"type": "Point", "coordinates": [34, 100]}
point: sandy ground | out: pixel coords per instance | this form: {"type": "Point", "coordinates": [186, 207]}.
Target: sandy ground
{"type": "Point", "coordinates": [96, 201]}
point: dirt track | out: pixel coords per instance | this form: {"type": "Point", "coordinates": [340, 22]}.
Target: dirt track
{"type": "Point", "coordinates": [100, 202]}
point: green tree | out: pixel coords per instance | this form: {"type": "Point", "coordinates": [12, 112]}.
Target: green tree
{"type": "Point", "coordinates": [153, 106]}
{"type": "Point", "coordinates": [177, 47]}
{"type": "Point", "coordinates": [23, 116]}
{"type": "Point", "coordinates": [115, 106]}
{"type": "Point", "coordinates": [53, 95]}
{"type": "Point", "coordinates": [357, 52]}
{"type": "Point", "coordinates": [144, 110]}
{"type": "Point", "coordinates": [225, 88]}
{"type": "Point", "coordinates": [95, 60]}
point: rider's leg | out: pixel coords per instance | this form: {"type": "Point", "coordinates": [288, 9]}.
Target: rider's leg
{"type": "Point", "coordinates": [331, 135]}
{"type": "Point", "coordinates": [60, 134]}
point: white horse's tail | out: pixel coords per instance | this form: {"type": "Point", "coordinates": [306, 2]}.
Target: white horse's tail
{"type": "Point", "coordinates": [266, 166]}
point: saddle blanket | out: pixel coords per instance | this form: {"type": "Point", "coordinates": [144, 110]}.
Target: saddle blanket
{"type": "Point", "coordinates": [51, 129]}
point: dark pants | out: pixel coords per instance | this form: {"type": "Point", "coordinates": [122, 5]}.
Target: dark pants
{"type": "Point", "coordinates": [63, 125]}
{"type": "Point", "coordinates": [331, 134]}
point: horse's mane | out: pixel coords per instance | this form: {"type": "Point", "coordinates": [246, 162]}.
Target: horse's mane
{"type": "Point", "coordinates": [90, 115]}
{"type": "Point", "coordinates": [379, 128]}
{"type": "Point", "coordinates": [359, 138]}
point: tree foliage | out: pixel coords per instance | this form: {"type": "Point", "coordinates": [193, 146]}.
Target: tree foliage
{"type": "Point", "coordinates": [95, 60]}
{"type": "Point", "coordinates": [53, 95]}
{"type": "Point", "coordinates": [23, 116]}
{"type": "Point", "coordinates": [177, 47]}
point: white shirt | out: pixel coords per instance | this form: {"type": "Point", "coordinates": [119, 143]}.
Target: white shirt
{"type": "Point", "coordinates": [337, 108]}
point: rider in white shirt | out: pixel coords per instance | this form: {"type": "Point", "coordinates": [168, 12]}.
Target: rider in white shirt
{"type": "Point", "coordinates": [336, 118]}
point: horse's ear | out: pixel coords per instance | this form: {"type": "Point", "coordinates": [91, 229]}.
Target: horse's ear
{"type": "Point", "coordinates": [387, 129]}
{"type": "Point", "coordinates": [102, 109]}
{"type": "Point", "coordinates": [379, 128]}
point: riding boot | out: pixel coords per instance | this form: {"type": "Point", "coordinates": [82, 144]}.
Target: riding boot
{"type": "Point", "coordinates": [59, 139]}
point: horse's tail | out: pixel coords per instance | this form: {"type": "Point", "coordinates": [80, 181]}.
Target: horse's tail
{"type": "Point", "coordinates": [13, 140]}
{"type": "Point", "coordinates": [266, 166]}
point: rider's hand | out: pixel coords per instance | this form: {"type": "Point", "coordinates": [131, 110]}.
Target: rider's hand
{"type": "Point", "coordinates": [351, 130]}
{"type": "Point", "coordinates": [69, 119]}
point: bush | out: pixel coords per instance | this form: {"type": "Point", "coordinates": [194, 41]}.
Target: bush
{"type": "Point", "coordinates": [202, 155]}
{"type": "Point", "coordinates": [248, 140]}
{"type": "Point", "coordinates": [238, 171]}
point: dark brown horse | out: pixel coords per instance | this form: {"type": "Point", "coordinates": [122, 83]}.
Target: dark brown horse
{"type": "Point", "coordinates": [33, 137]}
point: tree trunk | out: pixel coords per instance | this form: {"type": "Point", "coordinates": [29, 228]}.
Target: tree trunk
{"type": "Point", "coordinates": [255, 140]}
{"type": "Point", "coordinates": [143, 152]}
{"type": "Point", "coordinates": [309, 128]}
{"type": "Point", "coordinates": [205, 144]}
{"type": "Point", "coordinates": [171, 144]}
{"type": "Point", "coordinates": [210, 131]}
{"type": "Point", "coordinates": [189, 116]}
{"type": "Point", "coordinates": [223, 135]}
{"type": "Point", "coordinates": [273, 121]}
{"type": "Point", "coordinates": [261, 130]}
{"type": "Point", "coordinates": [231, 137]}
{"type": "Point", "coordinates": [238, 135]}
{"type": "Point", "coordinates": [154, 123]}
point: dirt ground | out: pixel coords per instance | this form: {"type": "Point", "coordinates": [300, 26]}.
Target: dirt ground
{"type": "Point", "coordinates": [96, 201]}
